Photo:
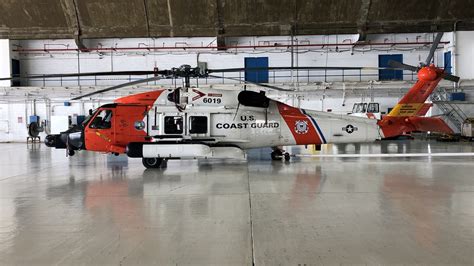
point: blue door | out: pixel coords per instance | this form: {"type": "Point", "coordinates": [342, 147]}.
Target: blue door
{"type": "Point", "coordinates": [447, 62]}
{"type": "Point", "coordinates": [259, 76]}
{"type": "Point", "coordinates": [389, 74]}
{"type": "Point", "coordinates": [16, 72]}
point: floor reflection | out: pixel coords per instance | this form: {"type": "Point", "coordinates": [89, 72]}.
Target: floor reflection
{"type": "Point", "coordinates": [91, 206]}
{"type": "Point", "coordinates": [309, 182]}
{"type": "Point", "coordinates": [422, 202]}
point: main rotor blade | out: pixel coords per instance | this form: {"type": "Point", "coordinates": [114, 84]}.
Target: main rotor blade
{"type": "Point", "coordinates": [66, 75]}
{"type": "Point", "coordinates": [140, 81]}
{"type": "Point", "coordinates": [398, 65]}
{"type": "Point", "coordinates": [433, 48]}
{"type": "Point", "coordinates": [240, 69]}
{"type": "Point", "coordinates": [251, 82]}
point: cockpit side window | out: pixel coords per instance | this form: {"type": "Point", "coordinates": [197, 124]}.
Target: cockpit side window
{"type": "Point", "coordinates": [103, 120]}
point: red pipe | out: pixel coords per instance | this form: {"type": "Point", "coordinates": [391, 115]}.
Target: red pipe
{"type": "Point", "coordinates": [218, 47]}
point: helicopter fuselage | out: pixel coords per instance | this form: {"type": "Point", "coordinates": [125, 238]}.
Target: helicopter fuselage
{"type": "Point", "coordinates": [150, 124]}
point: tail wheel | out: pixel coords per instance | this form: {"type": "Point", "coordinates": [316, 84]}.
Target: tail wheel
{"type": "Point", "coordinates": [287, 156]}
{"type": "Point", "coordinates": [152, 162]}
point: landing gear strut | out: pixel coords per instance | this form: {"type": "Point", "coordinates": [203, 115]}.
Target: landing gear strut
{"type": "Point", "coordinates": [277, 154]}
{"type": "Point", "coordinates": [154, 162]}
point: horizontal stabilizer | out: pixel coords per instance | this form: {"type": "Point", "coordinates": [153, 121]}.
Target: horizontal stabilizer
{"type": "Point", "coordinates": [396, 126]}
{"type": "Point", "coordinates": [432, 124]}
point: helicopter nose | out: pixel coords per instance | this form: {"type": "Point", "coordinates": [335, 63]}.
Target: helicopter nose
{"type": "Point", "coordinates": [50, 141]}
{"type": "Point", "coordinates": [70, 140]}
{"type": "Point", "coordinates": [75, 140]}
{"type": "Point", "coordinates": [55, 141]}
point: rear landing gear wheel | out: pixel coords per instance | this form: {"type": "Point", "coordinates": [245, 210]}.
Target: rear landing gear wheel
{"type": "Point", "coordinates": [164, 163]}
{"type": "Point", "coordinates": [287, 157]}
{"type": "Point", "coordinates": [152, 162]}
{"type": "Point", "coordinates": [276, 155]}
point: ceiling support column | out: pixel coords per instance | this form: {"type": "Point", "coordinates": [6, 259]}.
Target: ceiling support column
{"type": "Point", "coordinates": [363, 17]}
{"type": "Point", "coordinates": [70, 8]}
{"type": "Point", "coordinates": [221, 44]}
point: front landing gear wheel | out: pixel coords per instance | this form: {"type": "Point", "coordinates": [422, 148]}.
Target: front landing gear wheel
{"type": "Point", "coordinates": [152, 162]}
{"type": "Point", "coordinates": [287, 157]}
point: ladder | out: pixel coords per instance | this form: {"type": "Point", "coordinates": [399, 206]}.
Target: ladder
{"type": "Point", "coordinates": [451, 111]}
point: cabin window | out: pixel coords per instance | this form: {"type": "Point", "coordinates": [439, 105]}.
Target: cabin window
{"type": "Point", "coordinates": [373, 108]}
{"type": "Point", "coordinates": [173, 125]}
{"type": "Point", "coordinates": [103, 120]}
{"type": "Point", "coordinates": [198, 125]}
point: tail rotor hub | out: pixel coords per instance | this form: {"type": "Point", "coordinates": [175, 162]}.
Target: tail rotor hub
{"type": "Point", "coordinates": [427, 74]}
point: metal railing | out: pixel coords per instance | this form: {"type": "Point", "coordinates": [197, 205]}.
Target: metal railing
{"type": "Point", "coordinates": [453, 113]}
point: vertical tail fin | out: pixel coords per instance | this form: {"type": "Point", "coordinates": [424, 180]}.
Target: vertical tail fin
{"type": "Point", "coordinates": [414, 101]}
{"type": "Point", "coordinates": [405, 116]}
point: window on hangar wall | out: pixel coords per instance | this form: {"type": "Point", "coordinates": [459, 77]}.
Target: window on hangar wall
{"type": "Point", "coordinates": [259, 76]}
{"type": "Point", "coordinates": [447, 62]}
{"type": "Point", "coordinates": [389, 74]}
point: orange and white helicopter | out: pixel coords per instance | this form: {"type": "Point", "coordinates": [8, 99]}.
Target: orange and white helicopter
{"type": "Point", "coordinates": [217, 123]}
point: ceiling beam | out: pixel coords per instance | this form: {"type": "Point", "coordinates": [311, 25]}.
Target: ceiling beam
{"type": "Point", "coordinates": [72, 14]}
{"type": "Point", "coordinates": [362, 21]}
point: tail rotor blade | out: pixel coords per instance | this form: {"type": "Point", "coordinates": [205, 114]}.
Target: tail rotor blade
{"type": "Point", "coordinates": [396, 64]}
{"type": "Point", "coordinates": [433, 48]}
{"type": "Point", "coordinates": [452, 78]}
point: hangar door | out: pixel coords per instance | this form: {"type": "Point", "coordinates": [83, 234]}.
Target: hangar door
{"type": "Point", "coordinates": [447, 62]}
{"type": "Point", "coordinates": [16, 72]}
{"type": "Point", "coordinates": [260, 76]}
{"type": "Point", "coordinates": [389, 74]}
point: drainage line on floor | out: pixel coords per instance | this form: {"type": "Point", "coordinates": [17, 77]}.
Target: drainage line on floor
{"type": "Point", "coordinates": [250, 215]}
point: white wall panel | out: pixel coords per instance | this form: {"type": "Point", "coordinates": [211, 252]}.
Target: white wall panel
{"type": "Point", "coordinates": [5, 65]}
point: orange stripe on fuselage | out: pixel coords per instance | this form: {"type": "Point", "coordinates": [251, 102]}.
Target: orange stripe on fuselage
{"type": "Point", "coordinates": [294, 116]}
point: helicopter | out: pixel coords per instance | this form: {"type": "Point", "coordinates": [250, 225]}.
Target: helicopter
{"type": "Point", "coordinates": [190, 122]}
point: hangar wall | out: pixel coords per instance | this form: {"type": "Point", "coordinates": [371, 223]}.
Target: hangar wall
{"type": "Point", "coordinates": [345, 54]}
{"type": "Point", "coordinates": [5, 69]}
{"type": "Point", "coordinates": [465, 54]}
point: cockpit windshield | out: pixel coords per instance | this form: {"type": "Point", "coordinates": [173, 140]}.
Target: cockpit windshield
{"type": "Point", "coordinates": [103, 120]}
{"type": "Point", "coordinates": [89, 117]}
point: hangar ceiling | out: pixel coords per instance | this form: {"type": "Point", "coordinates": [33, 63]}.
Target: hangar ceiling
{"type": "Point", "coordinates": [51, 19]}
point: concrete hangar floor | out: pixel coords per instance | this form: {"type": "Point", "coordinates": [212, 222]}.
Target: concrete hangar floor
{"type": "Point", "coordinates": [97, 209]}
